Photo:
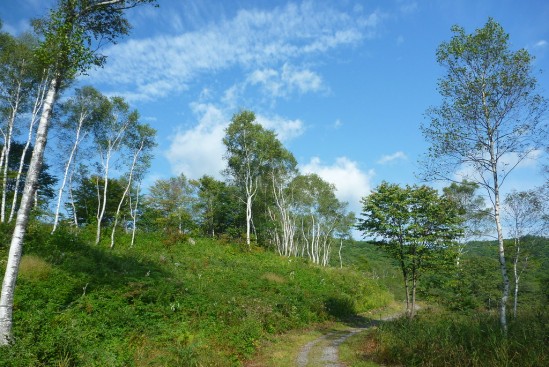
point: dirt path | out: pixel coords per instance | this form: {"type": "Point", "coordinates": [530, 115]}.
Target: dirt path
{"type": "Point", "coordinates": [324, 351]}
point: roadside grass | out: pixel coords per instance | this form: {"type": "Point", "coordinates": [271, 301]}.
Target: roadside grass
{"type": "Point", "coordinates": [167, 304]}
{"type": "Point", "coordinates": [439, 338]}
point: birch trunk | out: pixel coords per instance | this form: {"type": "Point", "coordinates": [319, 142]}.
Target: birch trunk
{"type": "Point", "coordinates": [133, 212]}
{"type": "Point", "coordinates": [125, 193]}
{"type": "Point", "coordinates": [71, 199]}
{"type": "Point", "coordinates": [6, 154]}
{"type": "Point", "coordinates": [16, 246]}
{"type": "Point", "coordinates": [101, 212]}
{"type": "Point", "coordinates": [517, 277]}
{"type": "Point", "coordinates": [68, 164]}
{"type": "Point", "coordinates": [35, 110]}
{"type": "Point", "coordinates": [503, 267]}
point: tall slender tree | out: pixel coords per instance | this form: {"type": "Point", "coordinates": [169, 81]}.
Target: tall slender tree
{"type": "Point", "coordinates": [490, 119]}
{"type": "Point", "coordinates": [524, 212]}
{"type": "Point", "coordinates": [86, 109]}
{"type": "Point", "coordinates": [18, 78]}
{"type": "Point", "coordinates": [140, 142]}
{"type": "Point", "coordinates": [70, 36]}
{"type": "Point", "coordinates": [112, 136]}
{"type": "Point", "coordinates": [252, 153]}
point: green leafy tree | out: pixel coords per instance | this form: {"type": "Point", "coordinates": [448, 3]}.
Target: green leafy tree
{"type": "Point", "coordinates": [68, 46]}
{"type": "Point", "coordinates": [46, 181]}
{"type": "Point", "coordinates": [19, 77]}
{"type": "Point", "coordinates": [252, 153]}
{"type": "Point", "coordinates": [414, 225]}
{"type": "Point", "coordinates": [112, 138]}
{"type": "Point", "coordinates": [490, 118]}
{"type": "Point", "coordinates": [171, 204]}
{"type": "Point", "coordinates": [88, 200]}
{"type": "Point", "coordinates": [219, 207]}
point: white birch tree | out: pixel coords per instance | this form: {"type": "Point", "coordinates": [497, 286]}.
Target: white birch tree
{"type": "Point", "coordinates": [252, 153]}
{"type": "Point", "coordinates": [140, 141]}
{"type": "Point", "coordinates": [524, 213]}
{"type": "Point", "coordinates": [18, 77]}
{"type": "Point", "coordinates": [68, 47]}
{"type": "Point", "coordinates": [86, 109]}
{"type": "Point", "coordinates": [37, 105]}
{"type": "Point", "coordinates": [111, 137]}
{"type": "Point", "coordinates": [489, 121]}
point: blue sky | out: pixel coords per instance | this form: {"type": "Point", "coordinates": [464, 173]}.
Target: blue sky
{"type": "Point", "coordinates": [343, 83]}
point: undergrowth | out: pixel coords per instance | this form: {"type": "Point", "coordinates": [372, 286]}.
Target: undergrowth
{"type": "Point", "coordinates": [438, 338]}
{"type": "Point", "coordinates": [201, 304]}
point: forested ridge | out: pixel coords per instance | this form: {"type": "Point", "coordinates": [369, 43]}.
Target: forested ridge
{"type": "Point", "coordinates": [101, 270]}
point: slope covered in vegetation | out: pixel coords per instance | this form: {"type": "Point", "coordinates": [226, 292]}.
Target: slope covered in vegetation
{"type": "Point", "coordinates": [187, 303]}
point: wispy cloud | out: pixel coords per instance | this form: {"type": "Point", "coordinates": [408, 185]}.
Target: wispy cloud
{"type": "Point", "coordinates": [283, 82]}
{"type": "Point", "coordinates": [408, 7]}
{"type": "Point", "coordinates": [540, 44]}
{"type": "Point", "coordinates": [392, 157]}
{"type": "Point", "coordinates": [154, 67]}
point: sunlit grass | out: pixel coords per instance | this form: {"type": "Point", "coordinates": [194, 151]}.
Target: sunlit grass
{"type": "Point", "coordinates": [208, 304]}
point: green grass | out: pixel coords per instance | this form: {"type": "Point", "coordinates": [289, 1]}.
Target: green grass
{"type": "Point", "coordinates": [439, 338]}
{"type": "Point", "coordinates": [207, 304]}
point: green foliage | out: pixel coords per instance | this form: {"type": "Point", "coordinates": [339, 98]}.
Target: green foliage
{"type": "Point", "coordinates": [170, 205]}
{"type": "Point", "coordinates": [46, 180]}
{"type": "Point", "coordinates": [219, 207]}
{"type": "Point", "coordinates": [489, 105]}
{"type": "Point", "coordinates": [71, 31]}
{"type": "Point", "coordinates": [86, 199]}
{"type": "Point", "coordinates": [455, 339]}
{"type": "Point", "coordinates": [187, 304]}
{"type": "Point", "coordinates": [416, 226]}
{"type": "Point", "coordinates": [475, 284]}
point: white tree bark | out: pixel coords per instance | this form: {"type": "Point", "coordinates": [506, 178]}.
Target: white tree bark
{"type": "Point", "coordinates": [502, 265]}
{"type": "Point", "coordinates": [77, 140]}
{"type": "Point", "coordinates": [113, 144]}
{"type": "Point", "coordinates": [16, 246]}
{"type": "Point", "coordinates": [8, 137]}
{"type": "Point", "coordinates": [38, 102]}
{"type": "Point", "coordinates": [133, 212]}
{"type": "Point", "coordinates": [6, 153]}
{"type": "Point", "coordinates": [126, 190]}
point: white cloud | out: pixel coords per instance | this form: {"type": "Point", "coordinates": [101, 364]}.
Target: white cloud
{"type": "Point", "coordinates": [288, 79]}
{"type": "Point", "coordinates": [199, 150]}
{"type": "Point", "coordinates": [392, 157]}
{"type": "Point", "coordinates": [351, 183]}
{"type": "Point", "coordinates": [160, 65]}
{"type": "Point", "coordinates": [285, 129]}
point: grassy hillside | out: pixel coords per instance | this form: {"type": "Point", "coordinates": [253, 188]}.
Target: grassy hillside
{"type": "Point", "coordinates": [181, 304]}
